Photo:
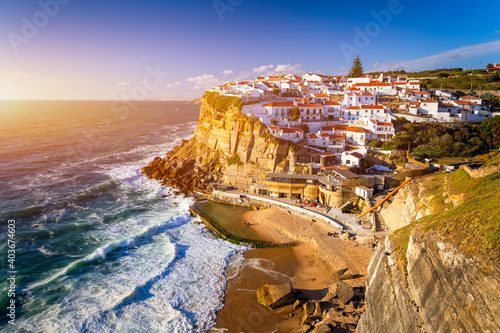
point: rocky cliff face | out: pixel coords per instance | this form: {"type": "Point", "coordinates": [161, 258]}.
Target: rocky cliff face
{"type": "Point", "coordinates": [441, 273]}
{"type": "Point", "coordinates": [227, 146]}
{"type": "Point", "coordinates": [443, 291]}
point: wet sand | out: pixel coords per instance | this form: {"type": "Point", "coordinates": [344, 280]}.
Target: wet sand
{"type": "Point", "coordinates": [309, 266]}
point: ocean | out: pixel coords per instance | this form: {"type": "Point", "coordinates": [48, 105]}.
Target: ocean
{"type": "Point", "coordinates": [98, 246]}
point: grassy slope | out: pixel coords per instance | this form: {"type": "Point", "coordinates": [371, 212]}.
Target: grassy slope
{"type": "Point", "coordinates": [474, 225]}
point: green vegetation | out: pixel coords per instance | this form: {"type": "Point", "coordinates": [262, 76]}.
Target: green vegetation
{"type": "Point", "coordinates": [399, 141]}
{"type": "Point", "coordinates": [463, 140]}
{"type": "Point", "coordinates": [218, 102]}
{"type": "Point", "coordinates": [356, 68]}
{"type": "Point", "coordinates": [453, 78]}
{"type": "Point", "coordinates": [235, 159]}
{"type": "Point", "coordinates": [293, 147]}
{"type": "Point", "coordinates": [374, 143]}
{"type": "Point", "coordinates": [294, 113]}
{"type": "Point", "coordinates": [473, 225]}
{"type": "Point", "coordinates": [434, 140]}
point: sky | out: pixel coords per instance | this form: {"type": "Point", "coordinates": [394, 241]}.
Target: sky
{"type": "Point", "coordinates": [114, 50]}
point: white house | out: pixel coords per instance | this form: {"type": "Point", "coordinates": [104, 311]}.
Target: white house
{"type": "Point", "coordinates": [382, 130]}
{"type": "Point", "coordinates": [351, 159]}
{"type": "Point", "coordinates": [333, 110]}
{"type": "Point", "coordinates": [292, 134]}
{"type": "Point", "coordinates": [319, 98]}
{"type": "Point", "coordinates": [362, 112]}
{"type": "Point", "coordinates": [312, 77]}
{"type": "Point", "coordinates": [472, 99]}
{"type": "Point", "coordinates": [353, 99]}
{"type": "Point", "coordinates": [358, 135]}
{"type": "Point", "coordinates": [364, 192]}
{"type": "Point", "coordinates": [382, 88]}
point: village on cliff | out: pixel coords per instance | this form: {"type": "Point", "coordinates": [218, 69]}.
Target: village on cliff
{"type": "Point", "coordinates": [337, 117]}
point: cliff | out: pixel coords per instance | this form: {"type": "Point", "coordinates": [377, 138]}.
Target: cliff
{"type": "Point", "coordinates": [441, 273]}
{"type": "Point", "coordinates": [227, 146]}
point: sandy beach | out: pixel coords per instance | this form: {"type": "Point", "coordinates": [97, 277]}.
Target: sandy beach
{"type": "Point", "coordinates": [309, 266]}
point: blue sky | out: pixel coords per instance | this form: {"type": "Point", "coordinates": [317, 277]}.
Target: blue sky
{"type": "Point", "coordinates": [76, 49]}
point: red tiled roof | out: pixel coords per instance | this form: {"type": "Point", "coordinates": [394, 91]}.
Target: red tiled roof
{"type": "Point", "coordinates": [290, 130]}
{"type": "Point", "coordinates": [312, 136]}
{"type": "Point", "coordinates": [376, 106]}
{"type": "Point", "coordinates": [336, 136]}
{"type": "Point", "coordinates": [357, 129]}
{"type": "Point", "coordinates": [278, 104]}
{"type": "Point", "coordinates": [357, 155]}
{"type": "Point", "coordinates": [459, 102]}
{"type": "Point", "coordinates": [332, 103]}
{"type": "Point", "coordinates": [340, 127]}
{"type": "Point", "coordinates": [373, 84]}
{"type": "Point", "coordinates": [384, 124]}
{"type": "Point", "coordinates": [430, 100]}
{"type": "Point", "coordinates": [309, 105]}
{"type": "Point", "coordinates": [320, 95]}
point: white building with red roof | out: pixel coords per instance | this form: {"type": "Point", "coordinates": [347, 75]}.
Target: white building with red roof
{"type": "Point", "coordinates": [358, 135]}
{"type": "Point", "coordinates": [363, 112]}
{"type": "Point", "coordinates": [382, 130]}
{"type": "Point", "coordinates": [353, 99]}
{"type": "Point", "coordinates": [351, 159]}
{"type": "Point", "coordinates": [292, 134]}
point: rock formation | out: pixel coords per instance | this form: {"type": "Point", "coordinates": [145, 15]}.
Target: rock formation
{"type": "Point", "coordinates": [442, 273]}
{"type": "Point", "coordinates": [228, 147]}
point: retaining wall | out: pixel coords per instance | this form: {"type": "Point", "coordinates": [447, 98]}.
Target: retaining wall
{"type": "Point", "coordinates": [252, 201]}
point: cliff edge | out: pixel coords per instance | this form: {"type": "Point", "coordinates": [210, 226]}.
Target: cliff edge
{"type": "Point", "coordinates": [440, 269]}
{"type": "Point", "coordinates": [228, 146]}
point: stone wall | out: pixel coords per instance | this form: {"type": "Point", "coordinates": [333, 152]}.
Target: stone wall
{"type": "Point", "coordinates": [480, 172]}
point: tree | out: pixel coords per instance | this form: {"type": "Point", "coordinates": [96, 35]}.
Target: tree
{"type": "Point", "coordinates": [489, 65]}
{"type": "Point", "coordinates": [294, 113]}
{"type": "Point", "coordinates": [356, 69]}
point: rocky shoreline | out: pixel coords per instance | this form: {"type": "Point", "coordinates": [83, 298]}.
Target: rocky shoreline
{"type": "Point", "coordinates": [182, 173]}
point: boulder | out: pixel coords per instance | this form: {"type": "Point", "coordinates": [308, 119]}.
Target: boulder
{"type": "Point", "coordinates": [296, 305]}
{"type": "Point", "coordinates": [306, 320]}
{"type": "Point", "coordinates": [309, 308]}
{"type": "Point", "coordinates": [323, 327]}
{"type": "Point", "coordinates": [317, 309]}
{"type": "Point", "coordinates": [301, 329]}
{"type": "Point", "coordinates": [341, 271]}
{"type": "Point", "coordinates": [346, 277]}
{"type": "Point", "coordinates": [345, 292]}
{"type": "Point", "coordinates": [329, 297]}
{"type": "Point", "coordinates": [275, 296]}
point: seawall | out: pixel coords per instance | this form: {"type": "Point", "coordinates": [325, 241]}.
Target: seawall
{"type": "Point", "coordinates": [260, 202]}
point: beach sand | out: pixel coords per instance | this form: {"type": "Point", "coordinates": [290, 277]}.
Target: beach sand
{"type": "Point", "coordinates": [309, 266]}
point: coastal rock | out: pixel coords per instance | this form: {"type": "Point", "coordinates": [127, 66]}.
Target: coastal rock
{"type": "Point", "coordinates": [329, 297]}
{"type": "Point", "coordinates": [296, 305]}
{"type": "Point", "coordinates": [317, 309]}
{"type": "Point", "coordinates": [301, 329]}
{"type": "Point", "coordinates": [275, 296]}
{"type": "Point", "coordinates": [306, 320]}
{"type": "Point", "coordinates": [444, 290]}
{"type": "Point", "coordinates": [341, 271]}
{"type": "Point", "coordinates": [346, 277]}
{"type": "Point", "coordinates": [345, 292]}
{"type": "Point", "coordinates": [309, 308]}
{"type": "Point", "coordinates": [323, 327]}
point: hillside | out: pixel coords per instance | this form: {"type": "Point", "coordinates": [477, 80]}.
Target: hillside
{"type": "Point", "coordinates": [440, 273]}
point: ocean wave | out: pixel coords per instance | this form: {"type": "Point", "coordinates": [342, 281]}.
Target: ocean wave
{"type": "Point", "coordinates": [101, 252]}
